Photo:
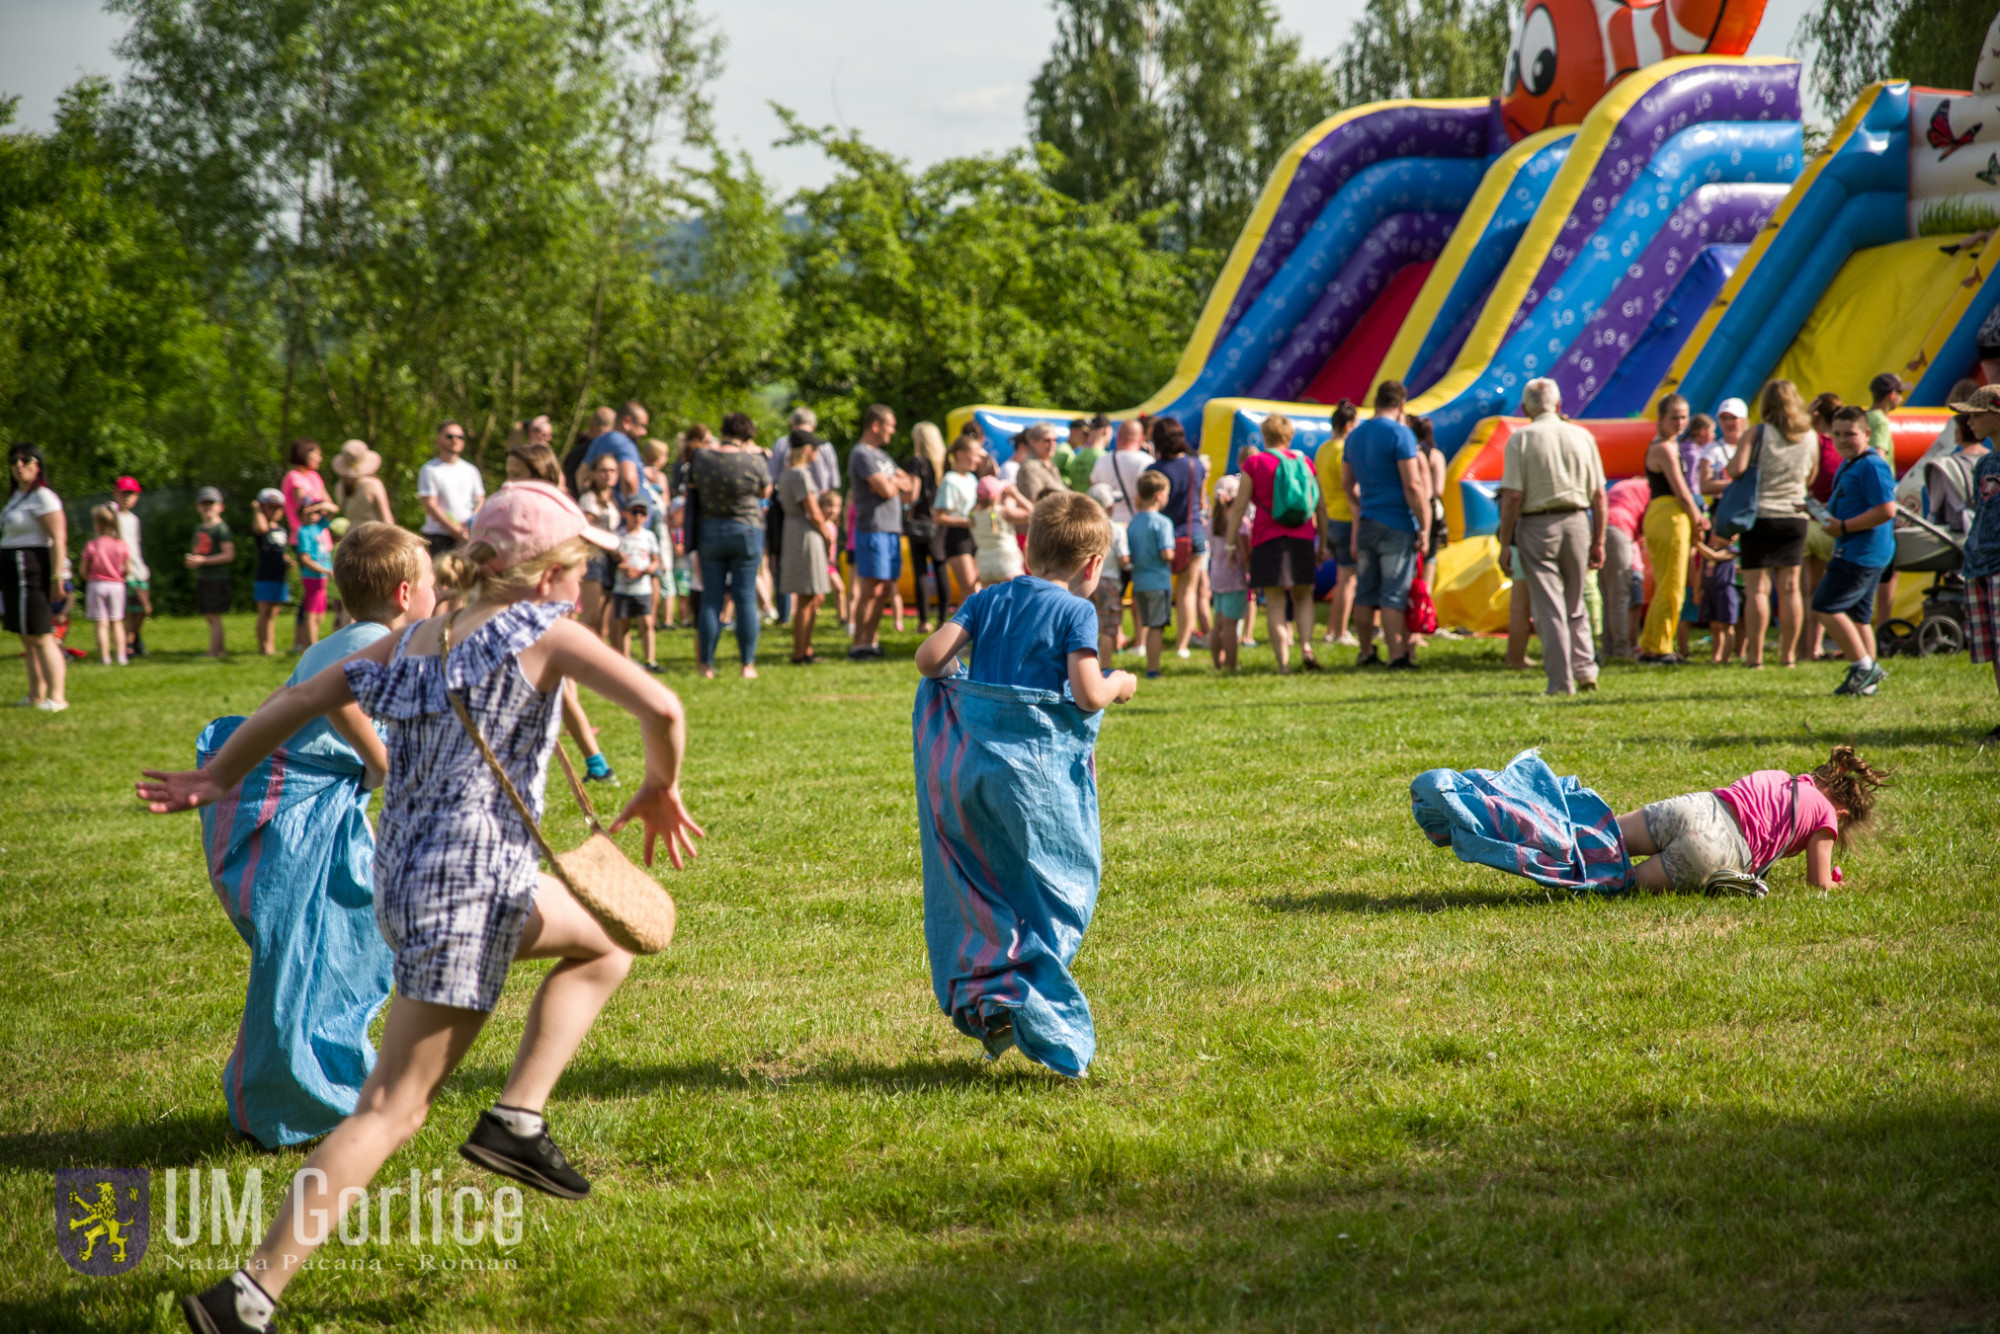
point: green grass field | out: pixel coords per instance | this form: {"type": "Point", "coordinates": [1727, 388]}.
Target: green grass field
{"type": "Point", "coordinates": [1343, 1081]}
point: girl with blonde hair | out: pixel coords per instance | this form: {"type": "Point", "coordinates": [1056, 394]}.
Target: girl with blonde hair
{"type": "Point", "coordinates": [457, 890]}
{"type": "Point", "coordinates": [1786, 454]}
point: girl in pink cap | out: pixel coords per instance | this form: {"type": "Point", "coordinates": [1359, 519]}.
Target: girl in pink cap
{"type": "Point", "coordinates": [458, 892]}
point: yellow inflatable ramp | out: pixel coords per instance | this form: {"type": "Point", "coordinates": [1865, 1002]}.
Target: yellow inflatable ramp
{"type": "Point", "coordinates": [1888, 309]}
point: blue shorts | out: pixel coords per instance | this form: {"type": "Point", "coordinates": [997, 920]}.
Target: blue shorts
{"type": "Point", "coordinates": [272, 590]}
{"type": "Point", "coordinates": [1232, 606]}
{"type": "Point", "coordinates": [1339, 537]}
{"type": "Point", "coordinates": [1198, 537]}
{"type": "Point", "coordinates": [1388, 561]}
{"type": "Point", "coordinates": [1847, 587]}
{"type": "Point", "coordinates": [878, 555]}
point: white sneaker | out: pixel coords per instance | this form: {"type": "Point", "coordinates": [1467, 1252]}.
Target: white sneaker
{"type": "Point", "coordinates": [51, 705]}
{"type": "Point", "coordinates": [1180, 653]}
{"type": "Point", "coordinates": [1348, 640]}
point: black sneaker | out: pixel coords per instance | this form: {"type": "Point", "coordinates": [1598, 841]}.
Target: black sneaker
{"type": "Point", "coordinates": [1369, 659]}
{"type": "Point", "coordinates": [610, 775]}
{"type": "Point", "coordinates": [218, 1310]}
{"type": "Point", "coordinates": [1406, 663]}
{"type": "Point", "coordinates": [1862, 680]}
{"type": "Point", "coordinates": [859, 653]}
{"type": "Point", "coordinates": [533, 1160]}
{"type": "Point", "coordinates": [137, 648]}
{"type": "Point", "coordinates": [653, 667]}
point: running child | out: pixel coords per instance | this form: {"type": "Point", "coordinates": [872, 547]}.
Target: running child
{"type": "Point", "coordinates": [291, 853]}
{"type": "Point", "coordinates": [1012, 856]}
{"type": "Point", "coordinates": [457, 890]}
{"type": "Point", "coordinates": [271, 585]}
{"type": "Point", "coordinates": [106, 563]}
{"type": "Point", "coordinates": [1151, 538]}
{"type": "Point", "coordinates": [1723, 840]}
{"type": "Point", "coordinates": [213, 552]}
{"type": "Point", "coordinates": [636, 562]}
{"type": "Point", "coordinates": [315, 549]}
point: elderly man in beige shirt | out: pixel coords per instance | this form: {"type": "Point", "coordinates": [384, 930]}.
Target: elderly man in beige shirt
{"type": "Point", "coordinates": [1552, 511]}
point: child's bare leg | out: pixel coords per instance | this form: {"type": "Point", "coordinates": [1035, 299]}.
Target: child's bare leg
{"type": "Point", "coordinates": [103, 641]}
{"type": "Point", "coordinates": [421, 1045]}
{"type": "Point", "coordinates": [568, 1001]}
{"type": "Point", "coordinates": [118, 639]}
{"type": "Point", "coordinates": [1638, 839]}
{"type": "Point", "coordinates": [1155, 637]}
{"type": "Point", "coordinates": [621, 636]}
{"type": "Point", "coordinates": [312, 628]}
{"type": "Point", "coordinates": [214, 635]}
{"type": "Point", "coordinates": [646, 636]}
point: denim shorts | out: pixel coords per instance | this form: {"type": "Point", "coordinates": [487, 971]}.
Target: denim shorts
{"type": "Point", "coordinates": [271, 590]}
{"type": "Point", "coordinates": [878, 555]}
{"type": "Point", "coordinates": [1340, 537]}
{"type": "Point", "coordinates": [1847, 587]}
{"type": "Point", "coordinates": [1387, 562]}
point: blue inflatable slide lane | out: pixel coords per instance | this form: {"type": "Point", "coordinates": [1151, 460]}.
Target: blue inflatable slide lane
{"type": "Point", "coordinates": [1007, 810]}
{"type": "Point", "coordinates": [291, 857]}
{"type": "Point", "coordinates": [1524, 820]}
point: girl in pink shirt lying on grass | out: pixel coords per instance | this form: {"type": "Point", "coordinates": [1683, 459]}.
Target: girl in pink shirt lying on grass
{"type": "Point", "coordinates": [1725, 841]}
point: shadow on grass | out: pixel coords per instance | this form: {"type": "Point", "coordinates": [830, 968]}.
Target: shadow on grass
{"type": "Point", "coordinates": [1654, 1217]}
{"type": "Point", "coordinates": [173, 1141]}
{"type": "Point", "coordinates": [918, 1075]}
{"type": "Point", "coordinates": [1857, 734]}
{"type": "Point", "coordinates": [1354, 901]}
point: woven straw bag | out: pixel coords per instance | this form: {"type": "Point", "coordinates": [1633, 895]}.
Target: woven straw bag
{"type": "Point", "coordinates": [631, 906]}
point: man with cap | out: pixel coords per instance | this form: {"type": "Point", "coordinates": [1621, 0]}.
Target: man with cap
{"type": "Point", "coordinates": [138, 579]}
{"type": "Point", "coordinates": [1982, 544]}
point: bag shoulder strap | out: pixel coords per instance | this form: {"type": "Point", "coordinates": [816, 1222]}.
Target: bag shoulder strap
{"type": "Point", "coordinates": [500, 773]}
{"type": "Point", "coordinates": [1791, 834]}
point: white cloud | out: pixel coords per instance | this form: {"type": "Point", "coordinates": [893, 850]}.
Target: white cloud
{"type": "Point", "coordinates": [1005, 99]}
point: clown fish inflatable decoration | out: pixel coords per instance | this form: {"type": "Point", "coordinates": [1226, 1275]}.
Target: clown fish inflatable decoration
{"type": "Point", "coordinates": [1568, 52]}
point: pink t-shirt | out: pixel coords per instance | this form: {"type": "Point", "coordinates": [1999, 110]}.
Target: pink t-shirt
{"type": "Point", "coordinates": [1261, 469]}
{"type": "Point", "coordinates": [1763, 805]}
{"type": "Point", "coordinates": [300, 487]}
{"type": "Point", "coordinates": [104, 560]}
{"type": "Point", "coordinates": [1625, 505]}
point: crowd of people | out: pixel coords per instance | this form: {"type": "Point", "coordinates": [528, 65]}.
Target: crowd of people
{"type": "Point", "coordinates": [718, 531]}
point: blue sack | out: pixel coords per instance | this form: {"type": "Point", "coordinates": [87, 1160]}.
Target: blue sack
{"type": "Point", "coordinates": [1007, 810]}
{"type": "Point", "coordinates": [1524, 820]}
{"type": "Point", "coordinates": [291, 856]}
{"type": "Point", "coordinates": [1736, 508]}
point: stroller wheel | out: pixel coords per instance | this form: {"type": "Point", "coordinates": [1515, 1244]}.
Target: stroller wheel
{"type": "Point", "coordinates": [1939, 634]}
{"type": "Point", "coordinates": [1896, 637]}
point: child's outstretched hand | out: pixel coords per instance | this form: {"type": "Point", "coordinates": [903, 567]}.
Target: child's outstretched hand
{"type": "Point", "coordinates": [663, 813]}
{"type": "Point", "coordinates": [1126, 683]}
{"type": "Point", "coordinates": [182, 791]}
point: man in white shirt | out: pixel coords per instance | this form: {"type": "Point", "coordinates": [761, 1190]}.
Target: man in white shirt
{"type": "Point", "coordinates": [1121, 468]}
{"type": "Point", "coordinates": [452, 491]}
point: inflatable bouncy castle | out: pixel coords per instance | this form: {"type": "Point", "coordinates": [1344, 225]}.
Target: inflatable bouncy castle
{"type": "Point", "coordinates": [1633, 213]}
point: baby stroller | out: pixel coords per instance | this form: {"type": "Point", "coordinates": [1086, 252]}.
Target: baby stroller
{"type": "Point", "coordinates": [1928, 545]}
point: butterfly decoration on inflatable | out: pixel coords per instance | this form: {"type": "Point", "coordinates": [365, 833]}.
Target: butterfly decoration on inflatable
{"type": "Point", "coordinates": [1568, 52]}
{"type": "Point", "coordinates": [1939, 133]}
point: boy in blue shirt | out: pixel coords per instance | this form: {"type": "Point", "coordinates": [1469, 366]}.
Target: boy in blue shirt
{"type": "Point", "coordinates": [1007, 794]}
{"type": "Point", "coordinates": [1150, 536]}
{"type": "Point", "coordinates": [1862, 507]}
{"type": "Point", "coordinates": [1040, 630]}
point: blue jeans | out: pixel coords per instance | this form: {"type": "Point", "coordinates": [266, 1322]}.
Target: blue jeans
{"type": "Point", "coordinates": [730, 553]}
{"type": "Point", "coordinates": [1386, 562]}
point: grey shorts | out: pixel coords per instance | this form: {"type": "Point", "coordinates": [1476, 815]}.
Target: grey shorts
{"type": "Point", "coordinates": [1152, 608]}
{"type": "Point", "coordinates": [1697, 835]}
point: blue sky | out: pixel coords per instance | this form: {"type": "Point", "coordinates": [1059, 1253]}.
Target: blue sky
{"type": "Point", "coordinates": [923, 78]}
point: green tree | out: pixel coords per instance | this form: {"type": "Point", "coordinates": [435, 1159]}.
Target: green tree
{"type": "Point", "coordinates": [1853, 43]}
{"type": "Point", "coordinates": [420, 211]}
{"type": "Point", "coordinates": [1427, 48]}
{"type": "Point", "coordinates": [1174, 108]}
{"type": "Point", "coordinates": [107, 358]}
{"type": "Point", "coordinates": [974, 280]}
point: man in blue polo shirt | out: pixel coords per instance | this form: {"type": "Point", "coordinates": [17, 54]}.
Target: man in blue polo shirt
{"type": "Point", "coordinates": [1388, 487]}
{"type": "Point", "coordinates": [622, 444]}
{"type": "Point", "coordinates": [1863, 506]}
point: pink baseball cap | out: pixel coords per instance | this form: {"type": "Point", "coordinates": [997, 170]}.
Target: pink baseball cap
{"type": "Point", "coordinates": [991, 488]}
{"type": "Point", "coordinates": [127, 484]}
{"type": "Point", "coordinates": [522, 520]}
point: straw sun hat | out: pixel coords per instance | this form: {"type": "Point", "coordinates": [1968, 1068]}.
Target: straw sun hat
{"type": "Point", "coordinates": [355, 459]}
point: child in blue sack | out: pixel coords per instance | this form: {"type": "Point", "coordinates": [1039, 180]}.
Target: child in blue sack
{"type": "Point", "coordinates": [291, 856]}
{"type": "Point", "coordinates": [1007, 793]}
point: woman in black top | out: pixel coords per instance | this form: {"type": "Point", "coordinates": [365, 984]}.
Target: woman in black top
{"type": "Point", "coordinates": [730, 480]}
{"type": "Point", "coordinates": [926, 545]}
{"type": "Point", "coordinates": [1187, 475]}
